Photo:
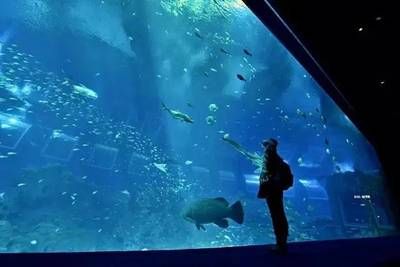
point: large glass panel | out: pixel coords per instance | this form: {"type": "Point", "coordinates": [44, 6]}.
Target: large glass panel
{"type": "Point", "coordinates": [118, 115]}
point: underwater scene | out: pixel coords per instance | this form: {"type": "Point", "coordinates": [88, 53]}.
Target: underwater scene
{"type": "Point", "coordinates": [119, 118]}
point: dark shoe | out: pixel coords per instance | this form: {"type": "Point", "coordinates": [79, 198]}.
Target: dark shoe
{"type": "Point", "coordinates": [279, 250]}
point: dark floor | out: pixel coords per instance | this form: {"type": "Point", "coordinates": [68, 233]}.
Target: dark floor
{"type": "Point", "coordinates": [360, 252]}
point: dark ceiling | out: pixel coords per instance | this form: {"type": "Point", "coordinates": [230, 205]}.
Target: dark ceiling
{"type": "Point", "coordinates": [354, 43]}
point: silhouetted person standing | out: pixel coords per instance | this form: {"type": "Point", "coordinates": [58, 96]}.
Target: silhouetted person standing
{"type": "Point", "coordinates": [275, 177]}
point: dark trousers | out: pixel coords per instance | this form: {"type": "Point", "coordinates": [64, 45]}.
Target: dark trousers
{"type": "Point", "coordinates": [279, 221]}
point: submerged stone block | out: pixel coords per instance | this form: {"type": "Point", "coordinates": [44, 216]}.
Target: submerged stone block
{"type": "Point", "coordinates": [103, 157]}
{"type": "Point", "coordinates": [59, 146]}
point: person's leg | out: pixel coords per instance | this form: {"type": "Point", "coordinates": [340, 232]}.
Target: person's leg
{"type": "Point", "coordinates": [283, 227]}
{"type": "Point", "coordinates": [272, 206]}
{"type": "Point", "coordinates": [279, 221]}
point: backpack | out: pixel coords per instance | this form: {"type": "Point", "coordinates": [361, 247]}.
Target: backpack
{"type": "Point", "coordinates": [286, 176]}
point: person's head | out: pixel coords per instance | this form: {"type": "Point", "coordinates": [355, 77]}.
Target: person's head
{"type": "Point", "coordinates": [270, 145]}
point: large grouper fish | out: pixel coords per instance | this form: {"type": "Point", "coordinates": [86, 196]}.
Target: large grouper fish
{"type": "Point", "coordinates": [213, 210]}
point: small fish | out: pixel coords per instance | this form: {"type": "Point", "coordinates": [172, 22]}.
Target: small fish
{"type": "Point", "coordinates": [33, 242]}
{"type": "Point", "coordinates": [21, 184]}
{"type": "Point", "coordinates": [198, 35]}
{"type": "Point", "coordinates": [189, 104]}
{"type": "Point", "coordinates": [326, 141]}
{"type": "Point", "coordinates": [188, 162]}
{"type": "Point", "coordinates": [213, 70]}
{"type": "Point", "coordinates": [300, 160]}
{"type": "Point", "coordinates": [94, 192]}
{"type": "Point", "coordinates": [224, 51]}
{"type": "Point", "coordinates": [161, 166]}
{"type": "Point", "coordinates": [247, 52]}
{"type": "Point", "coordinates": [2, 195]}
{"type": "Point", "coordinates": [40, 181]}
{"type": "Point", "coordinates": [240, 77]}
{"type": "Point", "coordinates": [228, 238]}
{"type": "Point", "coordinates": [126, 192]}
{"type": "Point", "coordinates": [323, 119]}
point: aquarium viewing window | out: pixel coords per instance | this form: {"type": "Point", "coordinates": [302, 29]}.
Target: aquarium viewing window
{"type": "Point", "coordinates": [168, 101]}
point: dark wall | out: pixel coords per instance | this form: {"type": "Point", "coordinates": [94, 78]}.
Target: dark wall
{"type": "Point", "coordinates": [354, 42]}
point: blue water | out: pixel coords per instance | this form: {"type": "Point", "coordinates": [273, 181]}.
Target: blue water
{"type": "Point", "coordinates": [90, 160]}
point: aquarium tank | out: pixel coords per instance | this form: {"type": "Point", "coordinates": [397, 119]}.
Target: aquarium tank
{"type": "Point", "coordinates": [118, 115]}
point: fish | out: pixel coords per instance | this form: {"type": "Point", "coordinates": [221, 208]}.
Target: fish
{"type": "Point", "coordinates": [188, 162]}
{"type": "Point", "coordinates": [198, 35]}
{"type": "Point", "coordinates": [213, 210]}
{"type": "Point", "coordinates": [178, 115]}
{"type": "Point", "coordinates": [213, 69]}
{"type": "Point", "coordinates": [84, 91]}
{"type": "Point", "coordinates": [126, 192]}
{"type": "Point", "coordinates": [224, 51]}
{"type": "Point", "coordinates": [161, 166]}
{"type": "Point", "coordinates": [189, 104]}
{"type": "Point", "coordinates": [300, 160]}
{"type": "Point", "coordinates": [247, 52]}
{"type": "Point", "coordinates": [240, 77]}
